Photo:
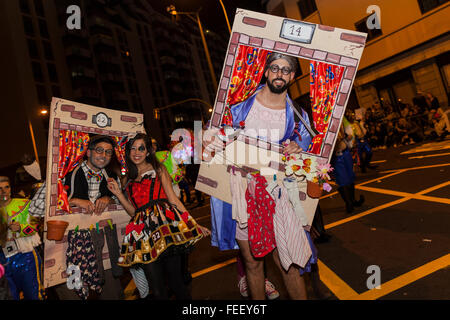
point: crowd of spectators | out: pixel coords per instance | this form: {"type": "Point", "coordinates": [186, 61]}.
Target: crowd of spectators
{"type": "Point", "coordinates": [402, 124]}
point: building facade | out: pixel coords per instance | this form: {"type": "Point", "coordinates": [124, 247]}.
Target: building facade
{"type": "Point", "coordinates": [125, 56]}
{"type": "Point", "coordinates": [409, 54]}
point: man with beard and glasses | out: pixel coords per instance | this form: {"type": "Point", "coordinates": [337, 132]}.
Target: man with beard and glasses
{"type": "Point", "coordinates": [268, 115]}
{"type": "Point", "coordinates": [86, 188]}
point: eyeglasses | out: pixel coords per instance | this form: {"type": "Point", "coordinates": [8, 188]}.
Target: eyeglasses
{"type": "Point", "coordinates": [140, 148]}
{"type": "Point", "coordinates": [275, 68]}
{"type": "Point", "coordinates": [100, 150]}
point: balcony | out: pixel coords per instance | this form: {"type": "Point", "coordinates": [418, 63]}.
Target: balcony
{"type": "Point", "coordinates": [119, 96]}
{"type": "Point", "coordinates": [74, 37]}
{"type": "Point", "coordinates": [107, 58]}
{"type": "Point", "coordinates": [77, 51]}
{"type": "Point", "coordinates": [103, 43]}
{"type": "Point", "coordinates": [87, 92]}
{"type": "Point", "coordinates": [110, 78]}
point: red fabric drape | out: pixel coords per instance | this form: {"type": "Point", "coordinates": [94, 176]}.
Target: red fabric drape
{"type": "Point", "coordinates": [247, 73]}
{"type": "Point", "coordinates": [72, 147]}
{"type": "Point", "coordinates": [324, 84]}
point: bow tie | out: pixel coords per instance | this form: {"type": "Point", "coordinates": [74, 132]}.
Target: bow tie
{"type": "Point", "coordinates": [96, 175]}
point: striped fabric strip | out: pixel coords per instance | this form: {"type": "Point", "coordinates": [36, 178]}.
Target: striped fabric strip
{"type": "Point", "coordinates": [140, 280]}
{"type": "Point", "coordinates": [290, 237]}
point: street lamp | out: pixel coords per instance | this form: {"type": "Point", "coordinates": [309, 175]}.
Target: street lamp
{"type": "Point", "coordinates": [226, 16]}
{"type": "Point", "coordinates": [171, 9]}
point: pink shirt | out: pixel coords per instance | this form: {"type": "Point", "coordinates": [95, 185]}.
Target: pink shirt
{"type": "Point", "coordinates": [265, 123]}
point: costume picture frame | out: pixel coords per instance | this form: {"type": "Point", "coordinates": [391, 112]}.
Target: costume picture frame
{"type": "Point", "coordinates": [68, 119]}
{"type": "Point", "coordinates": [305, 40]}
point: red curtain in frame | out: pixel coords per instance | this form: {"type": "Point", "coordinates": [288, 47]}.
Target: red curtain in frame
{"type": "Point", "coordinates": [72, 147]}
{"type": "Point", "coordinates": [247, 73]}
{"type": "Point", "coordinates": [324, 85]}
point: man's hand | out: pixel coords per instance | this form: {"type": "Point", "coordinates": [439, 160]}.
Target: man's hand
{"type": "Point", "coordinates": [101, 204]}
{"type": "Point", "coordinates": [212, 143]}
{"type": "Point", "coordinates": [291, 147]}
{"type": "Point", "coordinates": [85, 204]}
{"type": "Point", "coordinates": [14, 226]}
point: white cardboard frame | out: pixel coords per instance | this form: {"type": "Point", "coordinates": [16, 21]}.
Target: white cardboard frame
{"type": "Point", "coordinates": [69, 115]}
{"type": "Point", "coordinates": [312, 42]}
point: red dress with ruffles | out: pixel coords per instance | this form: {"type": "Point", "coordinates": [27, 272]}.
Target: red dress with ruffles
{"type": "Point", "coordinates": [158, 226]}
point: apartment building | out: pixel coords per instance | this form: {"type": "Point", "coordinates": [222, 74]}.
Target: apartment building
{"type": "Point", "coordinates": [408, 54]}
{"type": "Point", "coordinates": [125, 56]}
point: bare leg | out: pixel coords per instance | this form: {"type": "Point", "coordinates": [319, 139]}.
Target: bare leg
{"type": "Point", "coordinates": [295, 284]}
{"type": "Point", "coordinates": [255, 271]}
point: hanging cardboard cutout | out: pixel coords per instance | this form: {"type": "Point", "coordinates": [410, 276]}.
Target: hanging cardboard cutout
{"type": "Point", "coordinates": [334, 55]}
{"type": "Point", "coordinates": [71, 125]}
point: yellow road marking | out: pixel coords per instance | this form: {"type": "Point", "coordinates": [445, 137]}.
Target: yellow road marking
{"type": "Point", "coordinates": [378, 161]}
{"type": "Point", "coordinates": [405, 279]}
{"type": "Point", "coordinates": [336, 285]}
{"type": "Point", "coordinates": [441, 185]}
{"type": "Point", "coordinates": [129, 290]}
{"type": "Point", "coordinates": [215, 267]}
{"type": "Point", "coordinates": [365, 213]}
{"type": "Point", "coordinates": [132, 286]}
{"type": "Point", "coordinates": [418, 168]}
{"type": "Point", "coordinates": [407, 196]}
{"type": "Point", "coordinates": [328, 195]}
{"type": "Point", "coordinates": [430, 155]}
{"type": "Point", "coordinates": [394, 172]}
{"type": "Point", "coordinates": [416, 196]}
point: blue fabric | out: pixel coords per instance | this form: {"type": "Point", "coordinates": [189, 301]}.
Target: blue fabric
{"type": "Point", "coordinates": [313, 259]}
{"type": "Point", "coordinates": [363, 147]}
{"type": "Point", "coordinates": [223, 227]}
{"type": "Point", "coordinates": [343, 168]}
{"type": "Point", "coordinates": [23, 271]}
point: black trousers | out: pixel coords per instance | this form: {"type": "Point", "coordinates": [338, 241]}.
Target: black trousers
{"type": "Point", "coordinates": [169, 267]}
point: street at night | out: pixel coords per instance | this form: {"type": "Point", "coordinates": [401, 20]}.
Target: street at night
{"type": "Point", "coordinates": [225, 155]}
{"type": "Point", "coordinates": [402, 228]}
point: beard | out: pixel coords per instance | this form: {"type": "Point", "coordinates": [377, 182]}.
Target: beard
{"type": "Point", "coordinates": [277, 89]}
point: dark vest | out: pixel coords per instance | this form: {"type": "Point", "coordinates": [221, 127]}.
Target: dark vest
{"type": "Point", "coordinates": [81, 185]}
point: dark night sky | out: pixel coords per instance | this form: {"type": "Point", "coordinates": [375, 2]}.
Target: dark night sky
{"type": "Point", "coordinates": [211, 15]}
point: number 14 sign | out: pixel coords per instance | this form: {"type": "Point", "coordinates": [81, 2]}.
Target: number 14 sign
{"type": "Point", "coordinates": [297, 31]}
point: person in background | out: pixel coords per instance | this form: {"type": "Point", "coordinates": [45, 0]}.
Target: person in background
{"type": "Point", "coordinates": [19, 256]}
{"type": "Point", "coordinates": [342, 163]}
{"type": "Point", "coordinates": [363, 147]}
{"type": "Point", "coordinates": [28, 176]}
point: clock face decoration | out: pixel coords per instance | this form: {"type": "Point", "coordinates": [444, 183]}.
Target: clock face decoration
{"type": "Point", "coordinates": [101, 119]}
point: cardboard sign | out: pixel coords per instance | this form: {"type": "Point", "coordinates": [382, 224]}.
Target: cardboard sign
{"type": "Point", "coordinates": [302, 40]}
{"type": "Point", "coordinates": [69, 115]}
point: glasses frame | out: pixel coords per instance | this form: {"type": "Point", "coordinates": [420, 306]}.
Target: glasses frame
{"type": "Point", "coordinates": [100, 150]}
{"type": "Point", "coordinates": [275, 68]}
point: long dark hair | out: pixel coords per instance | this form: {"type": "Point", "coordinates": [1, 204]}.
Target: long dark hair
{"type": "Point", "coordinates": [150, 158]}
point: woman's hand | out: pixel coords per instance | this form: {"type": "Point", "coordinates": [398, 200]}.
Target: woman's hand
{"type": "Point", "coordinates": [205, 231]}
{"type": "Point", "coordinates": [113, 187]}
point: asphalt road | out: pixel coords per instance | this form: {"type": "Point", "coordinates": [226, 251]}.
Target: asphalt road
{"type": "Point", "coordinates": [402, 230]}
